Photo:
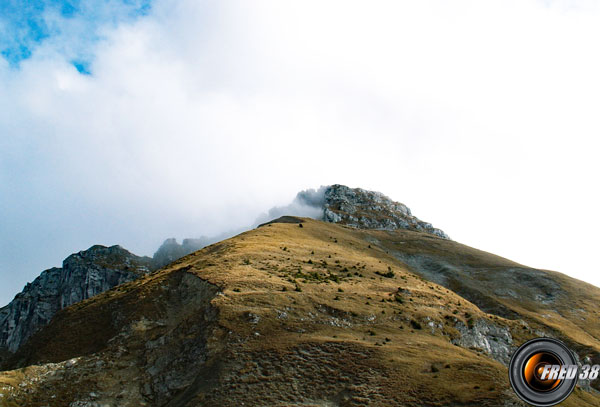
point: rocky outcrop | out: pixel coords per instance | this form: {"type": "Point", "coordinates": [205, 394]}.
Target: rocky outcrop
{"type": "Point", "coordinates": [170, 250]}
{"type": "Point", "coordinates": [495, 341]}
{"type": "Point", "coordinates": [354, 207]}
{"type": "Point", "coordinates": [83, 275]}
{"type": "Point", "coordinates": [371, 210]}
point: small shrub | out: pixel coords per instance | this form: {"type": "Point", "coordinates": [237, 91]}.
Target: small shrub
{"type": "Point", "coordinates": [389, 274]}
{"type": "Point", "coordinates": [284, 288]}
{"type": "Point", "coordinates": [300, 225]}
{"type": "Point", "coordinates": [298, 288]}
{"type": "Point", "coordinates": [237, 290]}
{"type": "Point", "coordinates": [415, 324]}
{"type": "Point", "coordinates": [340, 290]}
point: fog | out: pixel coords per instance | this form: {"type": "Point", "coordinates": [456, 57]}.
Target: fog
{"type": "Point", "coordinates": [191, 119]}
{"type": "Point", "coordinates": [308, 203]}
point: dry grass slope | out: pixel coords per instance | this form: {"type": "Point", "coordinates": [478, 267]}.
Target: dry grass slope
{"type": "Point", "coordinates": [304, 314]}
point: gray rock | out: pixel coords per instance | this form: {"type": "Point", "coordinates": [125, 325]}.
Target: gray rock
{"type": "Point", "coordinates": [495, 341]}
{"type": "Point", "coordinates": [354, 207]}
{"type": "Point", "coordinates": [82, 276]}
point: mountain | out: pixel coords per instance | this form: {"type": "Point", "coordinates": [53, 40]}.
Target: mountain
{"type": "Point", "coordinates": [82, 276]}
{"type": "Point", "coordinates": [364, 304]}
{"type": "Point", "coordinates": [309, 313]}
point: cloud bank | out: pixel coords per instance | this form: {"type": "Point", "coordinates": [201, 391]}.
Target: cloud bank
{"type": "Point", "coordinates": [190, 118]}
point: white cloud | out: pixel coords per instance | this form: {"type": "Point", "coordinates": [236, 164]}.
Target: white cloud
{"type": "Point", "coordinates": [481, 116]}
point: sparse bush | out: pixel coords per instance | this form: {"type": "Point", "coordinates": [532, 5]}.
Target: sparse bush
{"type": "Point", "coordinates": [415, 324]}
{"type": "Point", "coordinates": [389, 274]}
{"type": "Point", "coordinates": [340, 289]}
{"type": "Point", "coordinates": [237, 290]}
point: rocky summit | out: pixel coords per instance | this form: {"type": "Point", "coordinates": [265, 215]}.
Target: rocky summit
{"type": "Point", "coordinates": [370, 210]}
{"type": "Point", "coordinates": [354, 207]}
{"type": "Point", "coordinates": [82, 275]}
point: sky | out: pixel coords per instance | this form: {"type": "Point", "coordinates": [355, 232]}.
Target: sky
{"type": "Point", "coordinates": [128, 122]}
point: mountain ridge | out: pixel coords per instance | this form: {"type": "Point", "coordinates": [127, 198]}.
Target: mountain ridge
{"type": "Point", "coordinates": [39, 301]}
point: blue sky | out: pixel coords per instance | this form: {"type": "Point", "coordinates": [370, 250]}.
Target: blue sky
{"type": "Point", "coordinates": [25, 25]}
{"type": "Point", "coordinates": [131, 122]}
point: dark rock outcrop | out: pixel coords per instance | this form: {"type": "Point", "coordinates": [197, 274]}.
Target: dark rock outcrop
{"type": "Point", "coordinates": [83, 275]}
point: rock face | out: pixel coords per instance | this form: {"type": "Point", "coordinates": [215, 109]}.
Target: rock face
{"type": "Point", "coordinates": [170, 250]}
{"type": "Point", "coordinates": [83, 275]}
{"type": "Point", "coordinates": [370, 210]}
{"type": "Point", "coordinates": [495, 341]}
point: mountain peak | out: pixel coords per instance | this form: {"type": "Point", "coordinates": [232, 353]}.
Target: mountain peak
{"type": "Point", "coordinates": [364, 209]}
{"type": "Point", "coordinates": [355, 207]}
